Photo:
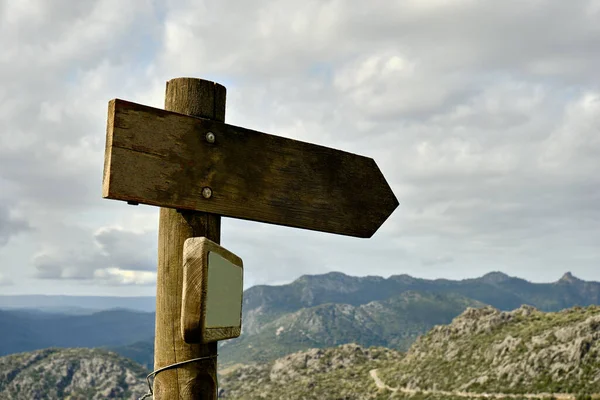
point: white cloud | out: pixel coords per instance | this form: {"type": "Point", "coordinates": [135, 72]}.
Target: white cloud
{"type": "Point", "coordinates": [482, 115]}
{"type": "Point", "coordinates": [11, 224]}
{"type": "Point", "coordinates": [5, 280]}
{"type": "Point", "coordinates": [575, 142]}
{"type": "Point", "coordinates": [113, 254]}
{"type": "Point", "coordinates": [437, 260]}
{"type": "Point", "coordinates": [115, 276]}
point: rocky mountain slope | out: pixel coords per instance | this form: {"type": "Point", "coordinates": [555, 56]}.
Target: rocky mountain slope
{"type": "Point", "coordinates": [75, 374]}
{"type": "Point", "coordinates": [335, 373]}
{"type": "Point", "coordinates": [483, 353]}
{"type": "Point", "coordinates": [521, 351]}
{"type": "Point", "coordinates": [395, 322]}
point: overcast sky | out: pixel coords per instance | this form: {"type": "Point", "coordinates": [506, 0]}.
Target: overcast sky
{"type": "Point", "coordinates": [483, 115]}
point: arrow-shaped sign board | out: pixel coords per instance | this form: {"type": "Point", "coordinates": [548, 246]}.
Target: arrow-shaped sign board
{"type": "Point", "coordinates": [167, 159]}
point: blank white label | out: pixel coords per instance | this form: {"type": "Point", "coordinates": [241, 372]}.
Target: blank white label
{"type": "Point", "coordinates": [224, 293]}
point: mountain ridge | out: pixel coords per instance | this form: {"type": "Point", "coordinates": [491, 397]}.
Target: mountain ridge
{"type": "Point", "coordinates": [333, 305]}
{"type": "Point", "coordinates": [265, 303]}
{"type": "Point", "coordinates": [58, 303]}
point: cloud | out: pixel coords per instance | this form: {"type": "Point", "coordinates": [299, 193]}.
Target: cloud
{"type": "Point", "coordinates": [135, 251]}
{"type": "Point", "coordinates": [115, 276]}
{"type": "Point", "coordinates": [428, 262]}
{"type": "Point", "coordinates": [483, 116]}
{"type": "Point", "coordinates": [5, 280]}
{"type": "Point", "coordinates": [11, 225]}
{"type": "Point", "coordinates": [112, 255]}
{"type": "Point", "coordinates": [55, 120]}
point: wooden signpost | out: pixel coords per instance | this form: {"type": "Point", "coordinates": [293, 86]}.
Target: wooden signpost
{"type": "Point", "coordinates": [187, 161]}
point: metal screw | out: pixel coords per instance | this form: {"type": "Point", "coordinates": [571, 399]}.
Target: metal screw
{"type": "Point", "coordinates": [207, 192]}
{"type": "Point", "coordinates": [210, 137]}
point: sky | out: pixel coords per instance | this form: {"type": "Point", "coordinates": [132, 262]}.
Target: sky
{"type": "Point", "coordinates": [483, 115]}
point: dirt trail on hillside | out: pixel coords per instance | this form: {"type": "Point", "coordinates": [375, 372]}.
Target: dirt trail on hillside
{"type": "Point", "coordinates": [559, 396]}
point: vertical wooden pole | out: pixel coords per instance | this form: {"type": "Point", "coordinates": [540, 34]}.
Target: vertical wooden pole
{"type": "Point", "coordinates": [195, 380]}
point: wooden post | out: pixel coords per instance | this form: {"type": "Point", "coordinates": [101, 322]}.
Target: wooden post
{"type": "Point", "coordinates": [197, 380]}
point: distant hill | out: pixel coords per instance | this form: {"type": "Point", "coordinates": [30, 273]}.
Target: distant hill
{"type": "Point", "coordinates": [75, 374]}
{"type": "Point", "coordinates": [25, 331]}
{"type": "Point", "coordinates": [141, 352]}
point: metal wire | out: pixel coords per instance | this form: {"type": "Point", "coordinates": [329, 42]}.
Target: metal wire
{"type": "Point", "coordinates": [153, 373]}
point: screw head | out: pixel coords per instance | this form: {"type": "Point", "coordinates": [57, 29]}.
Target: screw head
{"type": "Point", "coordinates": [207, 192]}
{"type": "Point", "coordinates": [210, 137]}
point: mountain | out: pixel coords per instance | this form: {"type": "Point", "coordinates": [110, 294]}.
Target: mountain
{"type": "Point", "coordinates": [75, 374]}
{"type": "Point", "coordinates": [263, 304]}
{"type": "Point", "coordinates": [313, 311]}
{"type": "Point", "coordinates": [335, 373]}
{"type": "Point", "coordinates": [495, 288]}
{"type": "Point", "coordinates": [395, 322]}
{"type": "Point", "coordinates": [25, 331]}
{"type": "Point", "coordinates": [334, 308]}
{"type": "Point", "coordinates": [483, 353]}
{"type": "Point", "coordinates": [493, 351]}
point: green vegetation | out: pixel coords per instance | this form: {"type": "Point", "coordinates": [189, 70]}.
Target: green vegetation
{"type": "Point", "coordinates": [335, 373]}
{"type": "Point", "coordinates": [524, 351]}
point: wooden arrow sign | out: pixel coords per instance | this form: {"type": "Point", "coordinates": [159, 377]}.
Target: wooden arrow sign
{"type": "Point", "coordinates": [166, 159]}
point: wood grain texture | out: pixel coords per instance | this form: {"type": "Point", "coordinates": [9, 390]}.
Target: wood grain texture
{"type": "Point", "coordinates": [162, 158]}
{"type": "Point", "coordinates": [195, 279]}
{"type": "Point", "coordinates": [195, 380]}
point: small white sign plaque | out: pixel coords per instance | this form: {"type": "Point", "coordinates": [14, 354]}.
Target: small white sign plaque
{"type": "Point", "coordinates": [224, 292]}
